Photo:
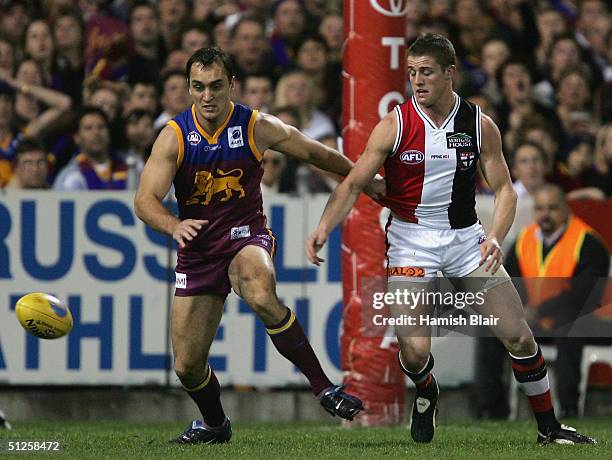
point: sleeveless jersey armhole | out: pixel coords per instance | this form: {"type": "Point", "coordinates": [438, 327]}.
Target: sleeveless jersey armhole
{"type": "Point", "coordinates": [251, 133]}
{"type": "Point", "coordinates": [179, 138]}
{"type": "Point", "coordinates": [398, 134]}
{"type": "Point", "coordinates": [478, 128]}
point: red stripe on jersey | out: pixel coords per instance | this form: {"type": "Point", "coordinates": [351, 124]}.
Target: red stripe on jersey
{"type": "Point", "coordinates": [405, 170]}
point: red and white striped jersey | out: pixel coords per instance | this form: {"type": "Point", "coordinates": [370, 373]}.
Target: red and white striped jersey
{"type": "Point", "coordinates": [431, 171]}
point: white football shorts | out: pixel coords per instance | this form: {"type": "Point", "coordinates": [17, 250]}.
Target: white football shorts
{"type": "Point", "coordinates": [415, 251]}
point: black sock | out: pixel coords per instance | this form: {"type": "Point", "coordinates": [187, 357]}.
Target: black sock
{"type": "Point", "coordinates": [291, 342]}
{"type": "Point", "coordinates": [207, 395]}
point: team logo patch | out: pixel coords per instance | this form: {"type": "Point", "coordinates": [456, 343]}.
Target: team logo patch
{"type": "Point", "coordinates": [194, 138]}
{"type": "Point", "coordinates": [412, 157]}
{"type": "Point", "coordinates": [466, 160]}
{"type": "Point", "coordinates": [406, 271]}
{"type": "Point", "coordinates": [240, 232]}
{"type": "Point", "coordinates": [458, 140]}
{"type": "Point", "coordinates": [181, 280]}
{"type": "Point", "coordinates": [234, 137]}
{"type": "Point", "coordinates": [225, 183]}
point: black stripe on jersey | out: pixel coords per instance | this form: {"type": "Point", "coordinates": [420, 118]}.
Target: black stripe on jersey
{"type": "Point", "coordinates": [462, 210]}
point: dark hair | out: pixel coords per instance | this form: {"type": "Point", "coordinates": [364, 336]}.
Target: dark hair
{"type": "Point", "coordinates": [205, 57]}
{"type": "Point", "coordinates": [136, 114]}
{"type": "Point", "coordinates": [314, 37]}
{"type": "Point", "coordinates": [291, 110]}
{"type": "Point", "coordinates": [29, 145]}
{"type": "Point", "coordinates": [140, 4]}
{"type": "Point", "coordinates": [535, 145]}
{"type": "Point", "coordinates": [512, 60]}
{"type": "Point", "coordinates": [436, 46]}
{"type": "Point", "coordinates": [89, 110]}
{"type": "Point", "coordinates": [244, 19]}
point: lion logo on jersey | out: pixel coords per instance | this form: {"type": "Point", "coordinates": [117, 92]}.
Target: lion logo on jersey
{"type": "Point", "coordinates": [208, 185]}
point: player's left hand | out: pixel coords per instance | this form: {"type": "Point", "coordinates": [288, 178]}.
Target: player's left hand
{"type": "Point", "coordinates": [314, 244]}
{"type": "Point", "coordinates": [376, 189]}
{"type": "Point", "coordinates": [491, 254]}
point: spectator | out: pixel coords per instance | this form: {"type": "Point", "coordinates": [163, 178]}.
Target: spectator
{"type": "Point", "coordinates": [31, 97]}
{"type": "Point", "coordinates": [550, 24]}
{"type": "Point", "coordinates": [249, 50]}
{"type": "Point", "coordinates": [94, 168]}
{"type": "Point", "coordinates": [575, 258]}
{"type": "Point", "coordinates": [494, 53]}
{"type": "Point", "coordinates": [149, 52]}
{"type": "Point", "coordinates": [31, 167]}
{"type": "Point", "coordinates": [518, 103]}
{"type": "Point", "coordinates": [564, 53]}
{"type": "Point", "coordinates": [289, 27]}
{"type": "Point", "coordinates": [174, 98]}
{"type": "Point", "coordinates": [332, 30]}
{"type": "Point", "coordinates": [194, 37]}
{"type": "Point", "coordinates": [176, 61]}
{"type": "Point", "coordinates": [221, 36]}
{"type": "Point", "coordinates": [143, 96]}
{"type": "Point", "coordinates": [14, 20]}
{"type": "Point", "coordinates": [572, 174]}
{"type": "Point", "coordinates": [39, 46]}
{"type": "Point", "coordinates": [528, 169]}
{"type": "Point", "coordinates": [109, 97]}
{"type": "Point", "coordinates": [273, 165]}
{"type": "Point", "coordinates": [291, 116]}
{"type": "Point", "coordinates": [536, 129]}
{"type": "Point", "coordinates": [296, 88]}
{"type": "Point", "coordinates": [601, 175]}
{"type": "Point", "coordinates": [257, 92]}
{"type": "Point", "coordinates": [69, 64]}
{"type": "Point", "coordinates": [7, 56]}
{"type": "Point", "coordinates": [172, 14]}
{"type": "Point", "coordinates": [139, 135]}
{"type": "Point", "coordinates": [573, 96]}
{"type": "Point", "coordinates": [312, 59]}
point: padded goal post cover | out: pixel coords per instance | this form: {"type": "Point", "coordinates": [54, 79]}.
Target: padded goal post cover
{"type": "Point", "coordinates": [374, 81]}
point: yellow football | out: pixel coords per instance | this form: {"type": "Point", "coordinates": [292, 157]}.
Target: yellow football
{"type": "Point", "coordinates": [43, 315]}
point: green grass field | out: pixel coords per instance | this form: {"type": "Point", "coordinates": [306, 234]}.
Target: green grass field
{"type": "Point", "coordinates": [469, 439]}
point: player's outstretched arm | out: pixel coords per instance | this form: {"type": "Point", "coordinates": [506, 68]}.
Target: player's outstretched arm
{"type": "Point", "coordinates": [344, 197]}
{"type": "Point", "coordinates": [270, 132]}
{"type": "Point", "coordinates": [154, 184]}
{"type": "Point", "coordinates": [497, 175]}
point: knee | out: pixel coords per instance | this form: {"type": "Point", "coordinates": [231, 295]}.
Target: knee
{"type": "Point", "coordinates": [521, 346]}
{"type": "Point", "coordinates": [189, 371]}
{"type": "Point", "coordinates": [414, 358]}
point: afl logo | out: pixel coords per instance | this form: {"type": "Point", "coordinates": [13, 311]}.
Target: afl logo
{"type": "Point", "coordinates": [391, 8]}
{"type": "Point", "coordinates": [194, 138]}
{"type": "Point", "coordinates": [412, 157]}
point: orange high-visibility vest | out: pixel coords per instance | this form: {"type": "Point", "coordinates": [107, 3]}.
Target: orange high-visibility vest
{"type": "Point", "coordinates": [559, 264]}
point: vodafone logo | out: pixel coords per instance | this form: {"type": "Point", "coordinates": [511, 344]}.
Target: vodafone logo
{"type": "Point", "coordinates": [412, 157]}
{"type": "Point", "coordinates": [391, 8]}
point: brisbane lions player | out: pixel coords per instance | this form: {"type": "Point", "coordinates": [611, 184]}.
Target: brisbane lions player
{"type": "Point", "coordinates": [430, 147]}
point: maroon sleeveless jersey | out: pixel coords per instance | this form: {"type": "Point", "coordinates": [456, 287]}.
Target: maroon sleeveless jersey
{"type": "Point", "coordinates": [218, 180]}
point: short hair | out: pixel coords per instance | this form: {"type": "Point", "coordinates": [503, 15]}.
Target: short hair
{"type": "Point", "coordinates": [89, 110]}
{"type": "Point", "coordinates": [140, 4]}
{"type": "Point", "coordinates": [535, 145]}
{"type": "Point", "coordinates": [29, 145]}
{"type": "Point", "coordinates": [243, 20]}
{"type": "Point", "coordinates": [205, 57]}
{"type": "Point", "coordinates": [137, 114]}
{"type": "Point", "coordinates": [512, 60]}
{"type": "Point", "coordinates": [292, 111]}
{"type": "Point", "coordinates": [436, 46]}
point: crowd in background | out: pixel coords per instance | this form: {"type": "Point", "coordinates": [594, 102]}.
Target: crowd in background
{"type": "Point", "coordinates": [86, 85]}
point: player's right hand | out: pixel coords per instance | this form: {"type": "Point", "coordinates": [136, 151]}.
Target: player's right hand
{"type": "Point", "coordinates": [314, 243]}
{"type": "Point", "coordinates": [187, 230]}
